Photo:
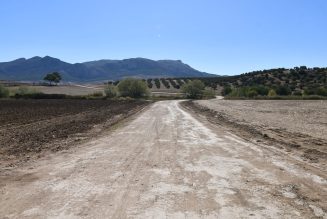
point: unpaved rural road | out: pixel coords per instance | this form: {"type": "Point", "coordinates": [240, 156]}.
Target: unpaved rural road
{"type": "Point", "coordinates": [165, 163]}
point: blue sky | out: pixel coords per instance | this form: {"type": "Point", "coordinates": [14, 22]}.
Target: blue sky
{"type": "Point", "coordinates": [216, 36]}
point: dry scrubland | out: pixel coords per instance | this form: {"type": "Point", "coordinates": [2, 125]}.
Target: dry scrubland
{"type": "Point", "coordinates": [299, 126]}
{"type": "Point", "coordinates": [29, 127]}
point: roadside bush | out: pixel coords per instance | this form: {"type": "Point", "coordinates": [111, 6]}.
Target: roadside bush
{"type": "Point", "coordinates": [283, 91]}
{"type": "Point", "coordinates": [252, 93]}
{"type": "Point", "coordinates": [209, 93]}
{"type": "Point", "coordinates": [111, 91]}
{"type": "Point", "coordinates": [4, 92]}
{"type": "Point", "coordinates": [261, 90]}
{"type": "Point", "coordinates": [226, 90]}
{"type": "Point", "coordinates": [239, 92]}
{"type": "Point", "coordinates": [297, 93]}
{"type": "Point", "coordinates": [272, 93]}
{"type": "Point", "coordinates": [134, 88]}
{"type": "Point", "coordinates": [193, 89]}
{"type": "Point", "coordinates": [322, 91]}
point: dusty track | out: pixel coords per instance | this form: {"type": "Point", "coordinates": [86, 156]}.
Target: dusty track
{"type": "Point", "coordinates": [166, 163]}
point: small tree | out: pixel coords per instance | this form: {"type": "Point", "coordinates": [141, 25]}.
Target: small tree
{"type": "Point", "coordinates": [53, 77]}
{"type": "Point", "coordinates": [193, 89]}
{"type": "Point", "coordinates": [111, 91]}
{"type": "Point", "coordinates": [134, 88]}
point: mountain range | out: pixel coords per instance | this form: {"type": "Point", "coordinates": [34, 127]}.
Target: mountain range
{"type": "Point", "coordinates": [34, 69]}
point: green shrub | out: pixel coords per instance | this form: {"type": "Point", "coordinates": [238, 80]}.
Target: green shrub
{"type": "Point", "coordinates": [239, 92]}
{"type": "Point", "coordinates": [261, 90]}
{"type": "Point", "coordinates": [111, 91]}
{"type": "Point", "coordinates": [322, 91]}
{"type": "Point", "coordinates": [209, 93]}
{"type": "Point", "coordinates": [252, 93]}
{"type": "Point", "coordinates": [226, 90]}
{"type": "Point", "coordinates": [297, 93]}
{"type": "Point", "coordinates": [4, 92]}
{"type": "Point", "coordinates": [283, 90]}
{"type": "Point", "coordinates": [193, 89]}
{"type": "Point", "coordinates": [134, 88]}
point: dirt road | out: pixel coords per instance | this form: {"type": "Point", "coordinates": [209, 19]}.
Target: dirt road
{"type": "Point", "coordinates": [165, 163]}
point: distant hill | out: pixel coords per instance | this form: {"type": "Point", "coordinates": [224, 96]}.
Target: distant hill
{"type": "Point", "coordinates": [35, 68]}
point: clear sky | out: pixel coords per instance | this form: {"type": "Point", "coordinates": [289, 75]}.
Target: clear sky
{"type": "Point", "coordinates": [216, 36]}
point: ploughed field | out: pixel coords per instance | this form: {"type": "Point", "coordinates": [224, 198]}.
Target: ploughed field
{"type": "Point", "coordinates": [296, 126]}
{"type": "Point", "coordinates": [29, 127]}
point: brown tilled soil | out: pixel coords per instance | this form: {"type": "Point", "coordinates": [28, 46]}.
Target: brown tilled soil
{"type": "Point", "coordinates": [298, 127]}
{"type": "Point", "coordinates": [30, 127]}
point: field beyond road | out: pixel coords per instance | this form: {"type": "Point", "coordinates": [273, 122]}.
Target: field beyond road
{"type": "Point", "coordinates": [166, 163]}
